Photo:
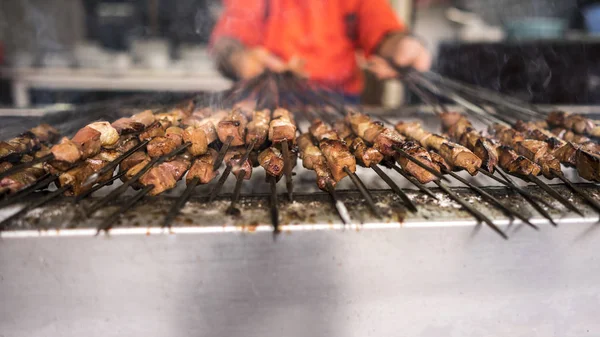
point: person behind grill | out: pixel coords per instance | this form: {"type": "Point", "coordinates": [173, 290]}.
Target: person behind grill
{"type": "Point", "coordinates": [317, 39]}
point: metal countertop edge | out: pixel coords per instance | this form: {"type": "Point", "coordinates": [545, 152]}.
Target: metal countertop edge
{"type": "Point", "coordinates": [144, 231]}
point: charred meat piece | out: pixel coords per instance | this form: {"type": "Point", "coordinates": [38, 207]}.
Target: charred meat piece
{"type": "Point", "coordinates": [13, 149]}
{"type": "Point", "coordinates": [363, 126]}
{"type": "Point", "coordinates": [233, 158]}
{"type": "Point", "coordinates": [66, 153]}
{"type": "Point", "coordinates": [574, 122]}
{"type": "Point", "coordinates": [127, 125]}
{"type": "Point", "coordinates": [313, 159]}
{"type": "Point", "coordinates": [342, 129]}
{"type": "Point", "coordinates": [125, 143]}
{"type": "Point", "coordinates": [454, 154]}
{"type": "Point", "coordinates": [155, 129]}
{"type": "Point", "coordinates": [271, 160]}
{"type": "Point", "coordinates": [439, 161]}
{"type": "Point", "coordinates": [133, 170]}
{"type": "Point", "coordinates": [160, 146]}
{"type": "Point", "coordinates": [310, 154]}
{"type": "Point", "coordinates": [486, 150]}
{"type": "Point", "coordinates": [460, 157]}
{"type": "Point", "coordinates": [108, 135]}
{"type": "Point", "coordinates": [588, 165]}
{"type": "Point", "coordinates": [197, 137]}
{"type": "Point", "coordinates": [564, 151]}
{"type": "Point", "coordinates": [366, 156]}
{"type": "Point", "coordinates": [386, 140]}
{"type": "Point", "coordinates": [282, 126]}
{"type": "Point", "coordinates": [322, 131]}
{"type": "Point", "coordinates": [234, 125]}
{"type": "Point", "coordinates": [421, 154]}
{"type": "Point", "coordinates": [160, 177]}
{"type": "Point", "coordinates": [46, 134]}
{"type": "Point", "coordinates": [203, 167]}
{"type": "Point", "coordinates": [4, 166]}
{"type": "Point", "coordinates": [88, 141]}
{"type": "Point", "coordinates": [133, 160]}
{"type": "Point", "coordinates": [513, 163]}
{"type": "Point", "coordinates": [175, 134]}
{"type": "Point", "coordinates": [338, 157]}
{"type": "Point", "coordinates": [258, 128]}
{"type": "Point", "coordinates": [145, 117]}
{"type": "Point", "coordinates": [22, 179]}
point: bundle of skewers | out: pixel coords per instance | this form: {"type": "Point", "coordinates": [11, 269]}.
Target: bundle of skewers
{"type": "Point", "coordinates": [257, 124]}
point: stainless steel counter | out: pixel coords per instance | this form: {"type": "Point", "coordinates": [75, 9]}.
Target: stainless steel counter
{"type": "Point", "coordinates": [403, 282]}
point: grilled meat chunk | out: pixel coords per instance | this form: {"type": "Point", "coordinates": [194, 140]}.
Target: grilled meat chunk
{"type": "Point", "coordinates": [131, 161]}
{"type": "Point", "coordinates": [155, 129]}
{"type": "Point", "coordinates": [271, 160]}
{"type": "Point", "coordinates": [46, 134]}
{"type": "Point", "coordinates": [364, 127]}
{"type": "Point", "coordinates": [125, 143]}
{"type": "Point", "coordinates": [588, 165]}
{"type": "Point", "coordinates": [127, 125]}
{"type": "Point", "coordinates": [282, 126]}
{"type": "Point", "coordinates": [203, 167]}
{"type": "Point", "coordinates": [365, 156]}
{"type": "Point", "coordinates": [574, 122]}
{"type": "Point", "coordinates": [88, 141]}
{"type": "Point", "coordinates": [313, 159]}
{"type": "Point", "coordinates": [322, 131]}
{"type": "Point", "coordinates": [233, 158]}
{"type": "Point", "coordinates": [386, 141]}
{"type": "Point", "coordinates": [454, 154]}
{"type": "Point", "coordinates": [145, 117]}
{"type": "Point", "coordinates": [160, 146]}
{"type": "Point", "coordinates": [22, 179]}
{"type": "Point", "coordinates": [4, 166]}
{"type": "Point", "coordinates": [509, 160]}
{"type": "Point", "coordinates": [421, 154]}
{"type": "Point", "coordinates": [198, 138]}
{"type": "Point", "coordinates": [234, 125]}
{"type": "Point", "coordinates": [108, 135]}
{"type": "Point", "coordinates": [66, 153]}
{"type": "Point", "coordinates": [338, 157]}
{"type": "Point", "coordinates": [258, 128]}
{"type": "Point", "coordinates": [175, 134]}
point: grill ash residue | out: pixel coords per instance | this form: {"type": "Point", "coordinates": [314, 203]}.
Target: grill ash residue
{"type": "Point", "coordinates": [308, 208]}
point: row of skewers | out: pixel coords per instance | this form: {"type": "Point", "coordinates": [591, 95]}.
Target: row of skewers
{"type": "Point", "coordinates": [152, 151]}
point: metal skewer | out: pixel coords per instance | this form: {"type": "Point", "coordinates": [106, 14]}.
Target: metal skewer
{"type": "Point", "coordinates": [28, 164]}
{"type": "Point", "coordinates": [181, 201]}
{"type": "Point", "coordinates": [363, 191]}
{"type": "Point", "coordinates": [44, 181]}
{"type": "Point", "coordinates": [109, 221]}
{"type": "Point", "coordinates": [407, 202]}
{"type": "Point", "coordinates": [287, 169]}
{"type": "Point", "coordinates": [111, 166]}
{"type": "Point", "coordinates": [37, 204]}
{"type": "Point", "coordinates": [419, 163]}
{"type": "Point", "coordinates": [491, 199]}
{"type": "Point", "coordinates": [235, 197]}
{"type": "Point", "coordinates": [529, 198]}
{"type": "Point", "coordinates": [510, 184]}
{"type": "Point", "coordinates": [215, 191]}
{"type": "Point", "coordinates": [118, 191]}
{"type": "Point", "coordinates": [341, 209]}
{"type": "Point", "coordinates": [414, 181]}
{"type": "Point", "coordinates": [554, 194]}
{"type": "Point", "coordinates": [478, 215]}
{"type": "Point", "coordinates": [98, 186]}
{"type": "Point", "coordinates": [222, 152]}
{"type": "Point", "coordinates": [589, 200]}
{"type": "Point", "coordinates": [274, 210]}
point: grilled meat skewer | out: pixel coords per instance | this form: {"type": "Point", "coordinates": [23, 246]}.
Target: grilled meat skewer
{"type": "Point", "coordinates": [386, 141]}
{"type": "Point", "coordinates": [574, 122]}
{"type": "Point", "coordinates": [454, 154]}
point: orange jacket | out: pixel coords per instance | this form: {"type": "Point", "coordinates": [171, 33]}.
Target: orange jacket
{"type": "Point", "coordinates": [325, 33]}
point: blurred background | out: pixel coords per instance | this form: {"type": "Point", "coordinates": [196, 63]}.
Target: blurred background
{"type": "Point", "coordinates": [79, 51]}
